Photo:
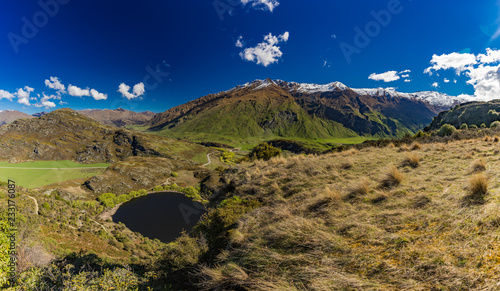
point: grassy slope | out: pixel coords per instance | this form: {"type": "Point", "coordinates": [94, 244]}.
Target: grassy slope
{"type": "Point", "coordinates": [29, 175]}
{"type": "Point", "coordinates": [310, 234]}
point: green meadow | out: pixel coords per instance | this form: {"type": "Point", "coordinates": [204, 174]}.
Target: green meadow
{"type": "Point", "coordinates": [42, 173]}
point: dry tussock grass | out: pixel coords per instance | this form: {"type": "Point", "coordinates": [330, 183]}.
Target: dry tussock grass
{"type": "Point", "coordinates": [415, 237]}
{"type": "Point", "coordinates": [478, 186]}
{"type": "Point", "coordinates": [416, 146]}
{"type": "Point", "coordinates": [496, 138]}
{"type": "Point", "coordinates": [404, 148]}
{"type": "Point", "coordinates": [360, 188]}
{"type": "Point", "coordinates": [412, 160]}
{"type": "Point", "coordinates": [392, 178]}
{"type": "Point", "coordinates": [478, 165]}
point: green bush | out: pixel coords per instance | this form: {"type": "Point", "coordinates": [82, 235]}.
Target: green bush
{"type": "Point", "coordinates": [473, 126]}
{"type": "Point", "coordinates": [482, 125]}
{"type": "Point", "coordinates": [227, 157]}
{"type": "Point", "coordinates": [264, 151]}
{"type": "Point", "coordinates": [174, 174]}
{"type": "Point", "coordinates": [158, 188]}
{"type": "Point", "coordinates": [464, 126]}
{"type": "Point", "coordinates": [420, 133]}
{"type": "Point", "coordinates": [446, 130]}
{"type": "Point", "coordinates": [46, 205]}
{"type": "Point", "coordinates": [107, 199]}
{"type": "Point", "coordinates": [495, 124]}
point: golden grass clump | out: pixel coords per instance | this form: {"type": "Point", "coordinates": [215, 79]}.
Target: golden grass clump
{"type": "Point", "coordinates": [404, 148]}
{"type": "Point", "coordinates": [391, 145]}
{"type": "Point", "coordinates": [416, 146]}
{"type": "Point", "coordinates": [478, 186]}
{"type": "Point", "coordinates": [411, 160]}
{"type": "Point", "coordinates": [347, 165]}
{"type": "Point", "coordinates": [350, 152]}
{"type": "Point", "coordinates": [393, 177]}
{"type": "Point", "coordinates": [487, 138]}
{"type": "Point", "coordinates": [478, 165]}
{"type": "Point", "coordinates": [361, 188]}
{"type": "Point", "coordinates": [496, 138]}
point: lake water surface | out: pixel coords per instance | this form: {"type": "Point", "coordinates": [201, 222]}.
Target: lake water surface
{"type": "Point", "coordinates": [161, 215]}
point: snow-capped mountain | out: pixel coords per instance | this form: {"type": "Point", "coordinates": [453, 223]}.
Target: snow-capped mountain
{"type": "Point", "coordinates": [433, 98]}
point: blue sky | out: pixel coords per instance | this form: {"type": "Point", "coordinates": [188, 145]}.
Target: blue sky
{"type": "Point", "coordinates": [156, 54]}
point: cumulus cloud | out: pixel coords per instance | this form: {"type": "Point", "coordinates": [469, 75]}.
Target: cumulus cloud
{"type": "Point", "coordinates": [435, 84]}
{"type": "Point", "coordinates": [458, 62]}
{"type": "Point", "coordinates": [266, 52]}
{"type": "Point", "coordinates": [23, 95]}
{"type": "Point", "coordinates": [483, 73]}
{"type": "Point", "coordinates": [55, 83]}
{"type": "Point", "coordinates": [389, 76]}
{"type": "Point", "coordinates": [6, 95]}
{"type": "Point", "coordinates": [446, 80]}
{"type": "Point", "coordinates": [78, 92]}
{"type": "Point", "coordinates": [137, 91]}
{"type": "Point", "coordinates": [262, 4]}
{"type": "Point", "coordinates": [239, 42]}
{"type": "Point", "coordinates": [407, 81]}
{"type": "Point", "coordinates": [98, 96]}
{"type": "Point", "coordinates": [45, 101]}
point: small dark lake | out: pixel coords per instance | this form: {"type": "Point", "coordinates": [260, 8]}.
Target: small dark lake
{"type": "Point", "coordinates": [162, 215]}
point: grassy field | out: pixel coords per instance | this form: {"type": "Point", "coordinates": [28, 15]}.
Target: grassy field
{"type": "Point", "coordinates": [41, 173]}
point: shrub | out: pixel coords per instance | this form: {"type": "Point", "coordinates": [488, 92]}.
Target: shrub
{"type": "Point", "coordinates": [478, 186]}
{"type": "Point", "coordinates": [264, 151]}
{"type": "Point", "coordinates": [420, 133]}
{"type": "Point", "coordinates": [478, 165]}
{"type": "Point", "coordinates": [495, 124]}
{"type": "Point", "coordinates": [472, 126]}
{"type": "Point", "coordinates": [46, 205]}
{"type": "Point", "coordinates": [482, 125]}
{"type": "Point", "coordinates": [107, 199]}
{"type": "Point", "coordinates": [464, 126]}
{"type": "Point", "coordinates": [446, 130]}
{"type": "Point", "coordinates": [158, 188]}
{"type": "Point", "coordinates": [393, 177]}
{"type": "Point", "coordinates": [174, 174]}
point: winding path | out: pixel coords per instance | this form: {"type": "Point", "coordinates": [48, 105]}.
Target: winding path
{"type": "Point", "coordinates": [36, 203]}
{"type": "Point", "coordinates": [209, 160]}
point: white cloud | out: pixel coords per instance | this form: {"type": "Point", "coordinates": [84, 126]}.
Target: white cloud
{"type": "Point", "coordinates": [262, 4]}
{"type": "Point", "coordinates": [491, 56]}
{"type": "Point", "coordinates": [45, 101]}
{"type": "Point", "coordinates": [407, 81]}
{"type": "Point", "coordinates": [457, 61]}
{"type": "Point", "coordinates": [389, 76]}
{"type": "Point", "coordinates": [267, 52]}
{"type": "Point", "coordinates": [435, 84]}
{"type": "Point", "coordinates": [78, 92]}
{"type": "Point", "coordinates": [23, 95]}
{"type": "Point", "coordinates": [6, 95]}
{"type": "Point", "coordinates": [55, 83]}
{"type": "Point", "coordinates": [405, 76]}
{"type": "Point", "coordinates": [239, 42]}
{"type": "Point", "coordinates": [98, 96]}
{"type": "Point", "coordinates": [405, 71]}
{"type": "Point", "coordinates": [327, 64]}
{"type": "Point", "coordinates": [483, 74]}
{"type": "Point", "coordinates": [446, 80]}
{"type": "Point", "coordinates": [137, 91]}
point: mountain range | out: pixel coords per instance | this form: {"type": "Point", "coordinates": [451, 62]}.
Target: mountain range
{"type": "Point", "coordinates": [267, 109]}
{"type": "Point", "coordinates": [275, 108]}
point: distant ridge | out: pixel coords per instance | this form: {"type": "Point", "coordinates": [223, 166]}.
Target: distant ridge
{"type": "Point", "coordinates": [119, 117]}
{"type": "Point", "coordinates": [275, 108]}
{"type": "Point", "coordinates": [9, 116]}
